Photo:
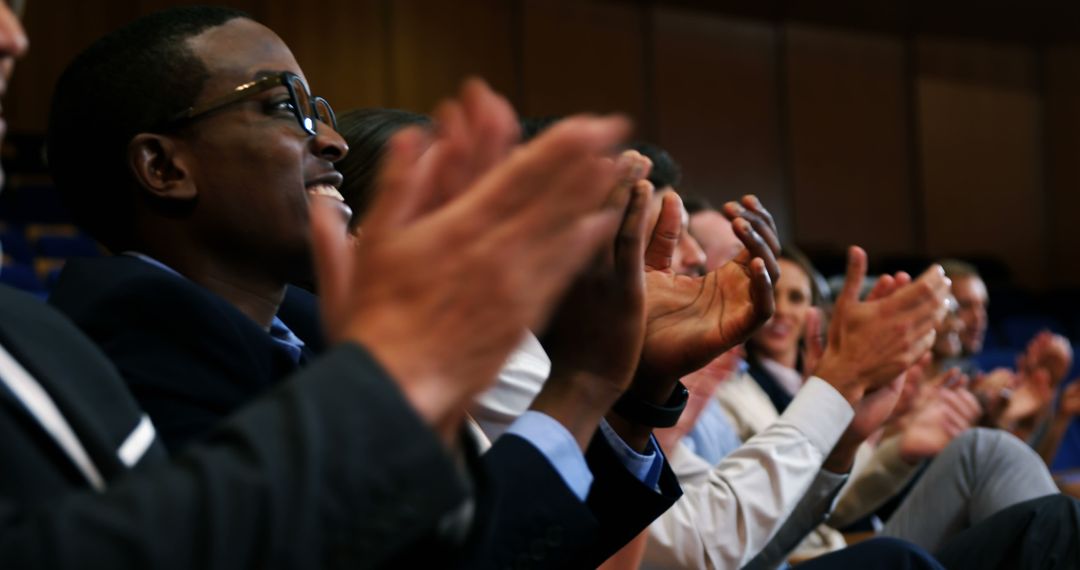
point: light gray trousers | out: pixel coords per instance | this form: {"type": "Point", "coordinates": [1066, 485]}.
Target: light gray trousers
{"type": "Point", "coordinates": [978, 474]}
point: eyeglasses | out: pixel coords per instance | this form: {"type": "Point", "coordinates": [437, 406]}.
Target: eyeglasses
{"type": "Point", "coordinates": [307, 109]}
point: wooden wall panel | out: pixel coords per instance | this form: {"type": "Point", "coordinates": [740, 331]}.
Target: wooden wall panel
{"type": "Point", "coordinates": [560, 77]}
{"type": "Point", "coordinates": [817, 121]}
{"type": "Point", "coordinates": [340, 45]}
{"type": "Point", "coordinates": [716, 96]}
{"type": "Point", "coordinates": [1062, 120]}
{"type": "Point", "coordinates": [981, 150]}
{"type": "Point", "coordinates": [848, 117]}
{"type": "Point", "coordinates": [54, 42]}
{"type": "Point", "coordinates": [436, 45]}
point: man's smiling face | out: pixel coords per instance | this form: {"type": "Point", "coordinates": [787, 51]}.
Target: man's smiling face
{"type": "Point", "coordinates": [251, 162]}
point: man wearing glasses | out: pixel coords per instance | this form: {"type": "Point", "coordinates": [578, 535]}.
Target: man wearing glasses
{"type": "Point", "coordinates": [345, 465]}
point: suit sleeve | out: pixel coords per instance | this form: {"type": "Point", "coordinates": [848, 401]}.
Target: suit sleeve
{"type": "Point", "coordinates": [330, 470]}
{"type": "Point", "coordinates": [530, 518]}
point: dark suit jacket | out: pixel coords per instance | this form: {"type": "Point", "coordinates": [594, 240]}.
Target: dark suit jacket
{"type": "Point", "coordinates": [190, 358]}
{"type": "Point", "coordinates": [285, 483]}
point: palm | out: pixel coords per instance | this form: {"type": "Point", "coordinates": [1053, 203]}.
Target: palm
{"type": "Point", "coordinates": [692, 320]}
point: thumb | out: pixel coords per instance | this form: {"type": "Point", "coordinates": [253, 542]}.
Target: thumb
{"type": "Point", "coordinates": [665, 235]}
{"type": "Point", "coordinates": [853, 281]}
{"type": "Point", "coordinates": [334, 263]}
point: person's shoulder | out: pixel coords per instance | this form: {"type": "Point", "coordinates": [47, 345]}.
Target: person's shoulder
{"type": "Point", "coordinates": [39, 332]}
{"type": "Point", "coordinates": [19, 310]}
{"type": "Point", "coordinates": [122, 287]}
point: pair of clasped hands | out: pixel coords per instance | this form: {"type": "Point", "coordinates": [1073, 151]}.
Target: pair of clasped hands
{"type": "Point", "coordinates": [474, 238]}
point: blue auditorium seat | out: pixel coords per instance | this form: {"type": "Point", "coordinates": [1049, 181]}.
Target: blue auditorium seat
{"type": "Point", "coordinates": [63, 247]}
{"type": "Point", "coordinates": [14, 245]}
{"type": "Point", "coordinates": [992, 358]}
{"type": "Point", "coordinates": [1018, 330]}
{"type": "Point", "coordinates": [21, 276]}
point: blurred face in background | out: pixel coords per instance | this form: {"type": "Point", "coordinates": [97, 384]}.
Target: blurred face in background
{"type": "Point", "coordinates": [972, 299]}
{"type": "Point", "coordinates": [948, 343]}
{"type": "Point", "coordinates": [779, 338]}
{"type": "Point", "coordinates": [688, 258]}
{"type": "Point", "coordinates": [716, 236]}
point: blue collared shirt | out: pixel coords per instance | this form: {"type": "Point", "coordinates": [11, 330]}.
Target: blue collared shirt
{"type": "Point", "coordinates": [561, 450]}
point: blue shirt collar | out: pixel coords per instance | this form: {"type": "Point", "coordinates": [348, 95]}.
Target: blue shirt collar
{"type": "Point", "coordinates": [279, 332]}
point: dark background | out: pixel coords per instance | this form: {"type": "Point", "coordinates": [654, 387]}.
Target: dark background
{"type": "Point", "coordinates": [916, 129]}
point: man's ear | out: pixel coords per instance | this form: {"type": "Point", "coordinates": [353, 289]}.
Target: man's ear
{"type": "Point", "coordinates": [160, 167]}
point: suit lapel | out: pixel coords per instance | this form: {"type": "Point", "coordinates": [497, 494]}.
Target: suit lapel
{"type": "Point", "coordinates": [54, 374]}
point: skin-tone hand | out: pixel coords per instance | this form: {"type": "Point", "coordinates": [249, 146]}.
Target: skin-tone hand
{"type": "Point", "coordinates": [1068, 408]}
{"type": "Point", "coordinates": [949, 411]}
{"type": "Point", "coordinates": [872, 342]}
{"type": "Point", "coordinates": [594, 339]}
{"type": "Point", "coordinates": [877, 406]}
{"type": "Point", "coordinates": [478, 264]}
{"type": "Point", "coordinates": [1031, 400]}
{"type": "Point", "coordinates": [692, 320]}
{"type": "Point", "coordinates": [1049, 351]}
{"type": "Point", "coordinates": [813, 341]}
{"type": "Point", "coordinates": [1070, 400]}
{"type": "Point", "coordinates": [994, 390]}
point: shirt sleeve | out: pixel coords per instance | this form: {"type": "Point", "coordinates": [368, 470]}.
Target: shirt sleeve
{"type": "Point", "coordinates": [560, 448]}
{"type": "Point", "coordinates": [645, 467]}
{"type": "Point", "coordinates": [729, 516]}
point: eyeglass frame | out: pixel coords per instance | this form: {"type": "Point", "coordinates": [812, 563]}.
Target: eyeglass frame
{"type": "Point", "coordinates": [283, 79]}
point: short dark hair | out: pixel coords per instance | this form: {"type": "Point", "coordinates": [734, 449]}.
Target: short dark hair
{"type": "Point", "coordinates": [695, 204]}
{"type": "Point", "coordinates": [533, 126]}
{"type": "Point", "coordinates": [957, 269]}
{"type": "Point", "coordinates": [129, 81]}
{"type": "Point", "coordinates": [367, 131]}
{"type": "Point", "coordinates": [665, 171]}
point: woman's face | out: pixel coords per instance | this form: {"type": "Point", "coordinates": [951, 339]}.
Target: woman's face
{"type": "Point", "coordinates": [947, 344]}
{"type": "Point", "coordinates": [780, 335]}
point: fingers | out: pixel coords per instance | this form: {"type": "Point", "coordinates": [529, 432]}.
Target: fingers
{"type": "Point", "coordinates": [751, 210]}
{"type": "Point", "coordinates": [752, 203]}
{"type": "Point", "coordinates": [537, 171]}
{"type": "Point", "coordinates": [883, 288]}
{"type": "Point", "coordinates": [492, 122]}
{"type": "Point", "coordinates": [853, 279]}
{"type": "Point", "coordinates": [929, 290]}
{"type": "Point", "coordinates": [920, 347]}
{"type": "Point", "coordinates": [630, 244]}
{"type": "Point", "coordinates": [849, 293]}
{"type": "Point", "coordinates": [398, 197]}
{"type": "Point", "coordinates": [757, 246]}
{"type": "Point", "coordinates": [333, 266]}
{"type": "Point", "coordinates": [761, 290]}
{"type": "Point", "coordinates": [569, 253]}
{"type": "Point", "coordinates": [449, 163]}
{"type": "Point", "coordinates": [665, 234]}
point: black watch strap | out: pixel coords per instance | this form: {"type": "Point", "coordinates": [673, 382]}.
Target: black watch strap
{"type": "Point", "coordinates": [636, 410]}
